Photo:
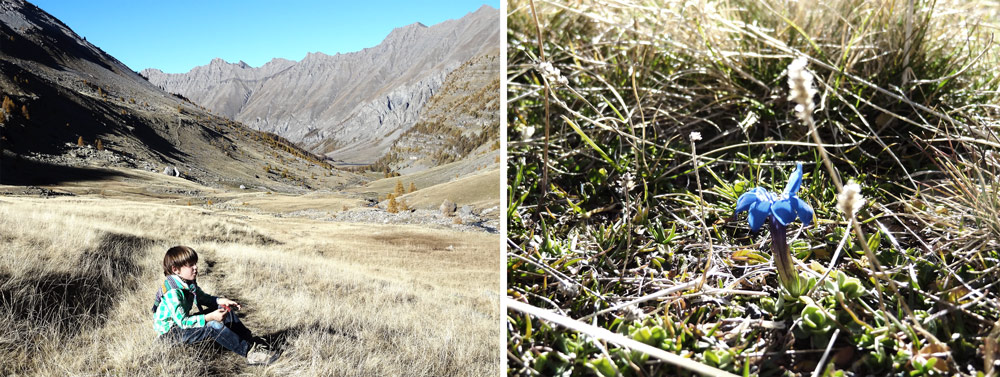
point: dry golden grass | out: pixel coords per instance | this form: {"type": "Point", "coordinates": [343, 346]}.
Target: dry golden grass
{"type": "Point", "coordinates": [479, 190]}
{"type": "Point", "coordinates": [285, 203]}
{"type": "Point", "coordinates": [77, 277]}
{"type": "Point", "coordinates": [470, 171]}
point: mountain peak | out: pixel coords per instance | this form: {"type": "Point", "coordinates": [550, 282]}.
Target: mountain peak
{"type": "Point", "coordinates": [353, 104]}
{"type": "Point", "coordinates": [312, 56]}
{"type": "Point", "coordinates": [408, 29]}
{"type": "Point", "coordinates": [220, 62]}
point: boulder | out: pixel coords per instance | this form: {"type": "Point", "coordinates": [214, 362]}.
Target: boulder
{"type": "Point", "coordinates": [465, 211]}
{"type": "Point", "coordinates": [172, 170]}
{"type": "Point", "coordinates": [448, 208]}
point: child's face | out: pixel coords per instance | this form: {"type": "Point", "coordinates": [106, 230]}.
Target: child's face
{"type": "Point", "coordinates": [187, 272]}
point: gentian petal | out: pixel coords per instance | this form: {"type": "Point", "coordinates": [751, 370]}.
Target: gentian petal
{"type": "Point", "coordinates": [746, 200]}
{"type": "Point", "coordinates": [794, 181]}
{"type": "Point", "coordinates": [803, 210]}
{"type": "Point", "coordinates": [758, 213]}
{"type": "Point", "coordinates": [784, 210]}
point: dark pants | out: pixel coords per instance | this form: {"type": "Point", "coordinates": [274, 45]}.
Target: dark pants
{"type": "Point", "coordinates": [231, 334]}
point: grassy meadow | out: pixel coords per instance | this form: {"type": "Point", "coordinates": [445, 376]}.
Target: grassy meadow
{"type": "Point", "coordinates": [77, 277]}
{"type": "Point", "coordinates": [634, 127]}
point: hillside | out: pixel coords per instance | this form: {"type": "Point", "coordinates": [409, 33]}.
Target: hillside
{"type": "Point", "coordinates": [461, 119]}
{"type": "Point", "coordinates": [68, 103]}
{"type": "Point", "coordinates": [352, 106]}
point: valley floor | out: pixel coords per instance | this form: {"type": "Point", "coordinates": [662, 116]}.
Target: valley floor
{"type": "Point", "coordinates": [77, 273]}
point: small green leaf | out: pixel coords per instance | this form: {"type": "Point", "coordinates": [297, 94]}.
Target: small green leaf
{"type": "Point", "coordinates": [591, 143]}
{"type": "Point", "coordinates": [851, 287]}
{"type": "Point", "coordinates": [602, 367]}
{"type": "Point", "coordinates": [874, 240]}
{"type": "Point", "coordinates": [815, 320]}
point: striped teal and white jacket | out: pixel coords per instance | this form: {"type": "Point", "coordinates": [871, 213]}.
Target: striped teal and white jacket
{"type": "Point", "coordinates": [176, 303]}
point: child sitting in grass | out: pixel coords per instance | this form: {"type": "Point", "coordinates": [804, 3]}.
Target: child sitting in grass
{"type": "Point", "coordinates": [219, 322]}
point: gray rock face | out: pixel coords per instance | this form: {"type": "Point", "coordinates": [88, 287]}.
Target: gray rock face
{"type": "Point", "coordinates": [462, 118]}
{"type": "Point", "coordinates": [348, 106]}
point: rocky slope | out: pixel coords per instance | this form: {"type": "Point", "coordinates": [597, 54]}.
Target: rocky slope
{"type": "Point", "coordinates": [348, 106]}
{"type": "Point", "coordinates": [461, 119]}
{"type": "Point", "coordinates": [65, 95]}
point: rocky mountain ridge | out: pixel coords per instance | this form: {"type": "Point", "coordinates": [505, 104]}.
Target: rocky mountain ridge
{"type": "Point", "coordinates": [462, 118]}
{"type": "Point", "coordinates": [71, 97]}
{"type": "Point", "coordinates": [350, 106]}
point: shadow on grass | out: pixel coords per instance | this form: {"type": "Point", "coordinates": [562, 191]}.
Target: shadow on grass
{"type": "Point", "coordinates": [80, 298]}
{"type": "Point", "coordinates": [239, 236]}
{"type": "Point", "coordinates": [18, 171]}
{"type": "Point", "coordinates": [482, 225]}
{"type": "Point", "coordinates": [278, 340]}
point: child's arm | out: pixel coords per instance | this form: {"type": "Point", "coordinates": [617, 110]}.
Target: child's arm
{"type": "Point", "coordinates": [205, 299]}
{"type": "Point", "coordinates": [208, 300]}
{"type": "Point", "coordinates": [173, 311]}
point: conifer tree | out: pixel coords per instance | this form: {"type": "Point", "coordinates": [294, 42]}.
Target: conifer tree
{"type": "Point", "coordinates": [393, 206]}
{"type": "Point", "coordinates": [8, 107]}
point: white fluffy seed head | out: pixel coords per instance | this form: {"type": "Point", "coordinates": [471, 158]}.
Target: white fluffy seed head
{"type": "Point", "coordinates": [527, 132]}
{"type": "Point", "coordinates": [552, 74]}
{"type": "Point", "coordinates": [849, 201]}
{"type": "Point", "coordinates": [695, 136]}
{"type": "Point", "coordinates": [800, 85]}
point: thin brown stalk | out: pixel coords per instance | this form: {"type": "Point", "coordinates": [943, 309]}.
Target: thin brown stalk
{"type": "Point", "coordinates": [545, 147]}
{"type": "Point", "coordinates": [862, 239]}
{"type": "Point", "coordinates": [701, 206]}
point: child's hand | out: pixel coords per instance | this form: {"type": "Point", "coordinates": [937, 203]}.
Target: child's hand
{"type": "Point", "coordinates": [216, 315]}
{"type": "Point", "coordinates": [227, 302]}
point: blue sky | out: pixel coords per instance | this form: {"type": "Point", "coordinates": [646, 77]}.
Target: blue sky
{"type": "Point", "coordinates": [176, 36]}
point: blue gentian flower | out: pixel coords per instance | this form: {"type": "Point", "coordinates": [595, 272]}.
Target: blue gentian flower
{"type": "Point", "coordinates": [784, 208]}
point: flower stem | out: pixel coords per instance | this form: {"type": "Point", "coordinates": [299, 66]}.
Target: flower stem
{"type": "Point", "coordinates": [545, 154]}
{"type": "Point", "coordinates": [787, 276]}
{"type": "Point", "coordinates": [704, 226]}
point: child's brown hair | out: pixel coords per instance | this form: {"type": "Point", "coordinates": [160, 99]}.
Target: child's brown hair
{"type": "Point", "coordinates": [177, 257]}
